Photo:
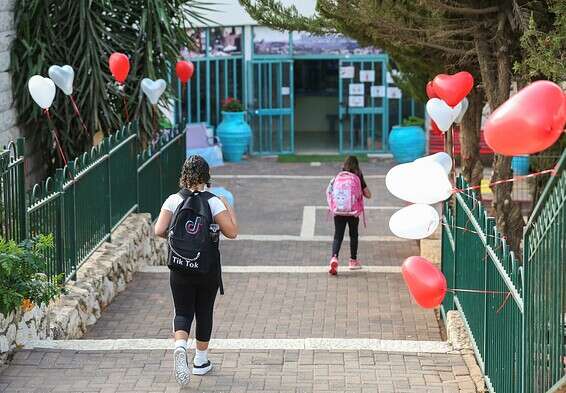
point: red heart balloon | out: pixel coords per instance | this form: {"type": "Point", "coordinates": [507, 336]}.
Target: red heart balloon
{"type": "Point", "coordinates": [529, 122]}
{"type": "Point", "coordinates": [119, 66]}
{"type": "Point", "coordinates": [426, 283]}
{"type": "Point", "coordinates": [184, 70]}
{"type": "Point", "coordinates": [434, 128]}
{"type": "Point", "coordinates": [430, 90]}
{"type": "Point", "coordinates": [453, 88]}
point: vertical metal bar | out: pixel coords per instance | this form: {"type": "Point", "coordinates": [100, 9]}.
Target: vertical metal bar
{"type": "Point", "coordinates": [340, 110]}
{"type": "Point", "coordinates": [292, 103]}
{"type": "Point", "coordinates": [385, 113]}
{"type": "Point", "coordinates": [217, 89]}
{"type": "Point", "coordinates": [225, 74]}
{"type": "Point", "coordinates": [259, 109]}
{"type": "Point", "coordinates": [207, 92]}
{"type": "Point", "coordinates": [198, 93]}
{"type": "Point", "coordinates": [280, 102]}
{"type": "Point", "coordinates": [270, 102]}
{"type": "Point", "coordinates": [234, 77]}
{"type": "Point", "coordinates": [21, 184]}
{"type": "Point", "coordinates": [189, 106]}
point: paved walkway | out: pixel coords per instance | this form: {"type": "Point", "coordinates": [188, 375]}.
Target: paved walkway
{"type": "Point", "coordinates": [284, 325]}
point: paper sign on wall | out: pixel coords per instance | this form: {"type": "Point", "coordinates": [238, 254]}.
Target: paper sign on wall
{"type": "Point", "coordinates": [356, 101]}
{"type": "Point", "coordinates": [356, 89]}
{"type": "Point", "coordinates": [347, 72]}
{"type": "Point", "coordinates": [285, 91]}
{"type": "Point", "coordinates": [378, 91]}
{"type": "Point", "coordinates": [367, 76]}
{"type": "Point", "coordinates": [394, 92]}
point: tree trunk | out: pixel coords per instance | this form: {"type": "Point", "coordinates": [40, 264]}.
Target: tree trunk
{"type": "Point", "coordinates": [494, 58]}
{"type": "Point", "coordinates": [472, 168]}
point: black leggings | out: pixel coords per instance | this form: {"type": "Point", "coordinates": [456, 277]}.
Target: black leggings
{"type": "Point", "coordinates": [194, 296]}
{"type": "Point", "coordinates": [339, 229]}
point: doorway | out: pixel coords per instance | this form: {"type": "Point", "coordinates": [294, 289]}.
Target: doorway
{"type": "Point", "coordinates": [316, 106]}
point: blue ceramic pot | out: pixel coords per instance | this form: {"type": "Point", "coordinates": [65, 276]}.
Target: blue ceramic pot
{"type": "Point", "coordinates": [520, 165]}
{"type": "Point", "coordinates": [234, 134]}
{"type": "Point", "coordinates": [407, 143]}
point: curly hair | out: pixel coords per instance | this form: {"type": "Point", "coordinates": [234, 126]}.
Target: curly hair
{"type": "Point", "coordinates": [195, 172]}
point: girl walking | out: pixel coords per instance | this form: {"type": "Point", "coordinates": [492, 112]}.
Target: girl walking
{"type": "Point", "coordinates": [345, 195]}
{"type": "Point", "coordinates": [190, 220]}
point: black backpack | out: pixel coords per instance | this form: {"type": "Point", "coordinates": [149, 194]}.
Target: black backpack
{"type": "Point", "coordinates": [193, 237]}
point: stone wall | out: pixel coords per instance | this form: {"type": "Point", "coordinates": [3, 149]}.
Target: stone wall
{"type": "Point", "coordinates": [8, 118]}
{"type": "Point", "coordinates": [98, 281]}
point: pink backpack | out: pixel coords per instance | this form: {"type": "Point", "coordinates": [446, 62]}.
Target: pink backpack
{"type": "Point", "coordinates": [345, 196]}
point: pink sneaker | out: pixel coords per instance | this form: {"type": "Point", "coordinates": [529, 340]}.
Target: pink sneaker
{"type": "Point", "coordinates": [354, 264]}
{"type": "Point", "coordinates": [333, 266]}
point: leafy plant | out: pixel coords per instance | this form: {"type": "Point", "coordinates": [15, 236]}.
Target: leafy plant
{"type": "Point", "coordinates": [413, 121]}
{"type": "Point", "coordinates": [82, 34]}
{"type": "Point", "coordinates": [22, 268]}
{"type": "Point", "coordinates": [231, 104]}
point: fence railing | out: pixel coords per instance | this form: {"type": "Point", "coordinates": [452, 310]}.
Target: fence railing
{"type": "Point", "coordinates": [85, 201]}
{"type": "Point", "coordinates": [514, 312]}
{"type": "Point", "coordinates": [544, 254]}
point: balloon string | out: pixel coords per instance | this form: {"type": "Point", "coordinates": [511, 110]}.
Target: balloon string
{"type": "Point", "coordinates": [467, 230]}
{"type": "Point", "coordinates": [453, 156]}
{"type": "Point", "coordinates": [487, 292]}
{"type": "Point", "coordinates": [57, 141]}
{"type": "Point", "coordinates": [513, 179]}
{"type": "Point", "coordinates": [76, 109]}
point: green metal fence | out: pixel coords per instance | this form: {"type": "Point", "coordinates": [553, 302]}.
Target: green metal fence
{"type": "Point", "coordinates": [158, 171]}
{"type": "Point", "coordinates": [85, 201]}
{"type": "Point", "coordinates": [514, 312]}
{"type": "Point", "coordinates": [545, 286]}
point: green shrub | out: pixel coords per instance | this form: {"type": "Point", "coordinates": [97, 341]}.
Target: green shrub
{"type": "Point", "coordinates": [22, 268]}
{"type": "Point", "coordinates": [413, 121]}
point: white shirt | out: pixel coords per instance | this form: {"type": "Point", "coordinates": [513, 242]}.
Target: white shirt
{"type": "Point", "coordinates": [174, 200]}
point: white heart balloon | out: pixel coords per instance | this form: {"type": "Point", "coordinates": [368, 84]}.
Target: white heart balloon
{"type": "Point", "coordinates": [442, 114]}
{"type": "Point", "coordinates": [442, 158]}
{"type": "Point", "coordinates": [414, 222]}
{"type": "Point", "coordinates": [63, 77]}
{"type": "Point", "coordinates": [153, 89]}
{"type": "Point", "coordinates": [463, 110]}
{"type": "Point", "coordinates": [419, 182]}
{"type": "Point", "coordinates": [42, 90]}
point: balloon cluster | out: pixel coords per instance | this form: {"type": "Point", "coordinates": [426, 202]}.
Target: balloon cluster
{"type": "Point", "coordinates": [447, 102]}
{"type": "Point", "coordinates": [43, 90]}
{"type": "Point", "coordinates": [422, 182]}
{"type": "Point", "coordinates": [530, 121]}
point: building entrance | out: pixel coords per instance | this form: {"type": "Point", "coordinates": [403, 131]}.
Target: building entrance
{"type": "Point", "coordinates": [316, 107]}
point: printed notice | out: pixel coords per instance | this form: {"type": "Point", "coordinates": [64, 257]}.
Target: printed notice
{"type": "Point", "coordinates": [367, 76]}
{"type": "Point", "coordinates": [356, 101]}
{"type": "Point", "coordinates": [378, 91]}
{"type": "Point", "coordinates": [356, 89]}
{"type": "Point", "coordinates": [285, 91]}
{"type": "Point", "coordinates": [394, 92]}
{"type": "Point", "coordinates": [347, 72]}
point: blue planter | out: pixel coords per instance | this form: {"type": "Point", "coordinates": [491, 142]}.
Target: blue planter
{"type": "Point", "coordinates": [407, 143]}
{"type": "Point", "coordinates": [520, 165]}
{"type": "Point", "coordinates": [234, 134]}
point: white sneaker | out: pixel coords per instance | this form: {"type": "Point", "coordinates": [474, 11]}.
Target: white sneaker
{"type": "Point", "coordinates": [182, 374]}
{"type": "Point", "coordinates": [202, 369]}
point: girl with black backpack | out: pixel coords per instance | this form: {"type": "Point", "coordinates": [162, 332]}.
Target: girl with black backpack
{"type": "Point", "coordinates": [191, 220]}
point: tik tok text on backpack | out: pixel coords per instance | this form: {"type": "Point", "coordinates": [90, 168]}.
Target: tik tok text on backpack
{"type": "Point", "coordinates": [193, 237]}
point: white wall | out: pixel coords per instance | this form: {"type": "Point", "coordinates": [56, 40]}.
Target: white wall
{"type": "Point", "coordinates": [231, 13]}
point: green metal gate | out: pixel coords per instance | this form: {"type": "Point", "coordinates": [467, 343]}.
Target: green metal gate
{"type": "Point", "coordinates": [363, 105]}
{"type": "Point", "coordinates": [270, 105]}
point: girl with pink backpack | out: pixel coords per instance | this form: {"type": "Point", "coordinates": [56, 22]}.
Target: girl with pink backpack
{"type": "Point", "coordinates": [345, 196]}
